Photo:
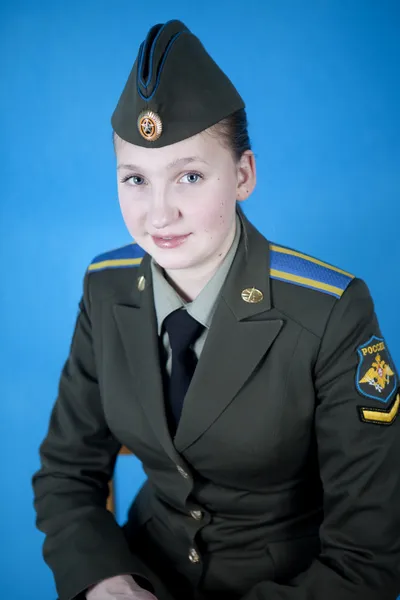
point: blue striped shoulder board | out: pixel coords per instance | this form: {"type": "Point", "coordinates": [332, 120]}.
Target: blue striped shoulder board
{"type": "Point", "coordinates": [293, 267]}
{"type": "Point", "coordinates": [127, 256]}
{"type": "Point", "coordinates": [286, 265]}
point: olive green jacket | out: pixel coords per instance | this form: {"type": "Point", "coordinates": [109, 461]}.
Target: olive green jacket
{"type": "Point", "coordinates": [282, 482]}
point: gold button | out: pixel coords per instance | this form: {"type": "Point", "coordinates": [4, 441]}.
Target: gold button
{"type": "Point", "coordinates": [194, 556]}
{"type": "Point", "coordinates": [196, 514]}
{"type": "Point", "coordinates": [252, 295]}
{"type": "Point", "coordinates": [141, 283]}
{"type": "Point", "coordinates": [182, 472]}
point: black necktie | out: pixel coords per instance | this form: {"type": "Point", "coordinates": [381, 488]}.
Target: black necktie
{"type": "Point", "coordinates": [183, 330]}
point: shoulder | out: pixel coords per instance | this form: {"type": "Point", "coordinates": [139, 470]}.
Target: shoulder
{"type": "Point", "coordinates": [124, 257]}
{"type": "Point", "coordinates": [109, 274]}
{"type": "Point", "coordinates": [299, 269]}
{"type": "Point", "coordinates": [304, 287]}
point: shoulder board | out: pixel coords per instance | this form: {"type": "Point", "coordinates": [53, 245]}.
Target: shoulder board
{"type": "Point", "coordinates": [300, 269]}
{"type": "Point", "coordinates": [127, 256]}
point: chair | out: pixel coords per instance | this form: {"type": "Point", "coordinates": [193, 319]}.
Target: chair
{"type": "Point", "coordinates": [111, 500]}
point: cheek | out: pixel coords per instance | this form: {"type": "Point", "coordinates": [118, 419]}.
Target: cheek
{"type": "Point", "coordinates": [216, 211]}
{"type": "Point", "coordinates": [132, 212]}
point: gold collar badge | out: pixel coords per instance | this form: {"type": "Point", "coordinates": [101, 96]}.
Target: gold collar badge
{"type": "Point", "coordinates": [149, 125]}
{"type": "Point", "coordinates": [252, 295]}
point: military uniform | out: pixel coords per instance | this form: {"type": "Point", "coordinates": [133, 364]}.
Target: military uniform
{"type": "Point", "coordinates": [282, 480]}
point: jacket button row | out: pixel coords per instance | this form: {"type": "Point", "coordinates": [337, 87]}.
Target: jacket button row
{"type": "Point", "coordinates": [194, 556]}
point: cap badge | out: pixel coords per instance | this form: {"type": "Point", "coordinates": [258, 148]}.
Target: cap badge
{"type": "Point", "coordinates": [149, 125]}
{"type": "Point", "coordinates": [252, 295]}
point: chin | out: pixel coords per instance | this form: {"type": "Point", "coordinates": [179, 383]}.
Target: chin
{"type": "Point", "coordinates": [171, 263]}
{"type": "Point", "coordinates": [175, 258]}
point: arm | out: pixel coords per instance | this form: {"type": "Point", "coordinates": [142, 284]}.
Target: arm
{"type": "Point", "coordinates": [360, 534]}
{"type": "Point", "coordinates": [83, 543]}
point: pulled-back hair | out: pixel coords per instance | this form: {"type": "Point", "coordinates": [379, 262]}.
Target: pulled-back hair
{"type": "Point", "coordinates": [233, 133]}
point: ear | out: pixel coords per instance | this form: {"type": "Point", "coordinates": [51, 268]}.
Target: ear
{"type": "Point", "coordinates": [246, 175]}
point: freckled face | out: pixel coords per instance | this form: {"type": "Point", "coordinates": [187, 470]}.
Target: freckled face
{"type": "Point", "coordinates": [186, 191]}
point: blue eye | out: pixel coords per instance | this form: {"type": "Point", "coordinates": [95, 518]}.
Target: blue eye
{"type": "Point", "coordinates": [193, 177]}
{"type": "Point", "coordinates": [134, 180]}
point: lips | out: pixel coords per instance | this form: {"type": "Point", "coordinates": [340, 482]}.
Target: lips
{"type": "Point", "coordinates": [169, 241]}
{"type": "Point", "coordinates": [169, 237]}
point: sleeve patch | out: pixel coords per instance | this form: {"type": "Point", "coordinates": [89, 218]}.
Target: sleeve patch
{"type": "Point", "coordinates": [375, 376]}
{"type": "Point", "coordinates": [380, 416]}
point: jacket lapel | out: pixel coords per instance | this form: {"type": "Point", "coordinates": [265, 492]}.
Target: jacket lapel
{"type": "Point", "coordinates": [240, 335]}
{"type": "Point", "coordinates": [136, 321]}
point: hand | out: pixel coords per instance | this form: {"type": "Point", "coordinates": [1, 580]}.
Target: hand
{"type": "Point", "coordinates": [121, 587]}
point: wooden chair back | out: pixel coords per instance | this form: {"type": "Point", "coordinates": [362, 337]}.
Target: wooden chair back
{"type": "Point", "coordinates": [111, 501]}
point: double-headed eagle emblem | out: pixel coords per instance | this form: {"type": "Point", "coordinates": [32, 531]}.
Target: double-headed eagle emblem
{"type": "Point", "coordinates": [378, 375]}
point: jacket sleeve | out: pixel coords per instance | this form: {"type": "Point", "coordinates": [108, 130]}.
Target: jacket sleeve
{"type": "Point", "coordinates": [83, 542]}
{"type": "Point", "coordinates": [358, 457]}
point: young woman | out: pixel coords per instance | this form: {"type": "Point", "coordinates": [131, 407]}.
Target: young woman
{"type": "Point", "coordinates": [251, 380]}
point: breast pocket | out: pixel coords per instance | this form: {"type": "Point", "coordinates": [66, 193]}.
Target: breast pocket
{"type": "Point", "coordinates": [292, 557]}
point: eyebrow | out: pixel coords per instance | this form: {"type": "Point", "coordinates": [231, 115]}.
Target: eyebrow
{"type": "Point", "coordinates": [178, 162]}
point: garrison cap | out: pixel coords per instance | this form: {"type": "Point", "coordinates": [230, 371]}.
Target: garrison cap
{"type": "Point", "coordinates": [175, 90]}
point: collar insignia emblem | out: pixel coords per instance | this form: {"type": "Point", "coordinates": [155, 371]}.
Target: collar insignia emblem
{"type": "Point", "coordinates": [252, 295]}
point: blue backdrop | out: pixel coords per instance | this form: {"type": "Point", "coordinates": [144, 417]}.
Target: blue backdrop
{"type": "Point", "coordinates": [321, 82]}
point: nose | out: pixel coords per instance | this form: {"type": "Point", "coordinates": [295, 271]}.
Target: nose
{"type": "Point", "coordinates": [162, 211]}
